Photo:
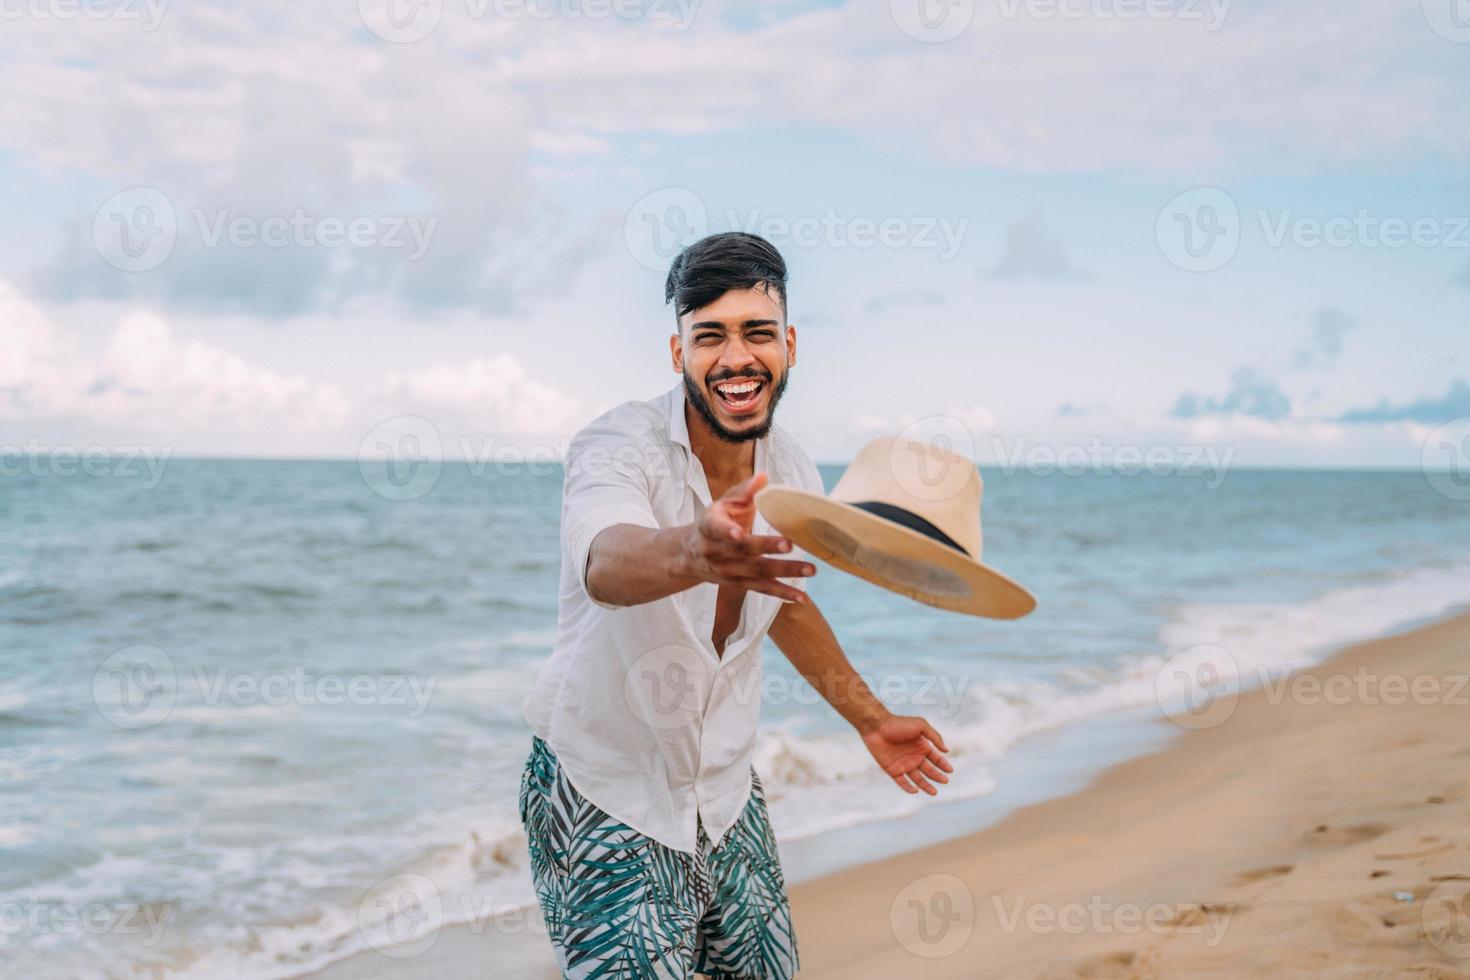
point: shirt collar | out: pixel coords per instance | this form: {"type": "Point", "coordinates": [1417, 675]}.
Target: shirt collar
{"type": "Point", "coordinates": [679, 427]}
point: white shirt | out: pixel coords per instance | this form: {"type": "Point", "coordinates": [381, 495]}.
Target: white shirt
{"type": "Point", "coordinates": [648, 722]}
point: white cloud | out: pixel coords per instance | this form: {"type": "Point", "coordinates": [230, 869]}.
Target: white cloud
{"type": "Point", "coordinates": [149, 378]}
{"type": "Point", "coordinates": [148, 382]}
{"type": "Point", "coordinates": [488, 394]}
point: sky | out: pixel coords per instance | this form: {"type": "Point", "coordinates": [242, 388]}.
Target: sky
{"type": "Point", "coordinates": [1039, 227]}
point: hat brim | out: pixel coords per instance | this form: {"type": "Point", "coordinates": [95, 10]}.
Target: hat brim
{"type": "Point", "coordinates": [892, 556]}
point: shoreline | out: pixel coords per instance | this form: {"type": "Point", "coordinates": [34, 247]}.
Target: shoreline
{"type": "Point", "coordinates": [1302, 836]}
{"type": "Point", "coordinates": [1043, 890]}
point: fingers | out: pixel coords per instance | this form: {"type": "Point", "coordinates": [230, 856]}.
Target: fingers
{"type": "Point", "coordinates": [773, 568]}
{"type": "Point", "coordinates": [933, 772]}
{"type": "Point", "coordinates": [935, 737]}
{"type": "Point", "coordinates": [770, 587]}
{"type": "Point", "coordinates": [760, 544]}
{"type": "Point", "coordinates": [941, 761]}
{"type": "Point", "coordinates": [903, 783]}
{"type": "Point", "coordinates": [923, 783]}
{"type": "Point", "coordinates": [744, 492]}
{"type": "Point", "coordinates": [734, 540]}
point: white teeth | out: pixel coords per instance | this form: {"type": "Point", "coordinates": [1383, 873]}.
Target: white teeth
{"type": "Point", "coordinates": [740, 389]}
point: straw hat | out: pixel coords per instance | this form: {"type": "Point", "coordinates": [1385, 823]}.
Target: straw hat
{"type": "Point", "coordinates": [905, 515]}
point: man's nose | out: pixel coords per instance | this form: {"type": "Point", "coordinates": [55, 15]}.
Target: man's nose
{"type": "Point", "coordinates": [736, 357]}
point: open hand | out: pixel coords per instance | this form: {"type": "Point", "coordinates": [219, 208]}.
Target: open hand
{"type": "Point", "coordinates": [909, 749]}
{"type": "Point", "coordinates": [721, 549]}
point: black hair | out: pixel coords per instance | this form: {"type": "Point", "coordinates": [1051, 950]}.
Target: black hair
{"type": "Point", "coordinates": [716, 264]}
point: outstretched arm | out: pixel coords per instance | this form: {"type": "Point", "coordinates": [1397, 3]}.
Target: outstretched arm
{"type": "Point", "coordinates": [906, 746]}
{"type": "Point", "coordinates": [628, 565]}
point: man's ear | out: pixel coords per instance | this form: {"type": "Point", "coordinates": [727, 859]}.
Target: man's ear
{"type": "Point", "coordinates": [676, 353]}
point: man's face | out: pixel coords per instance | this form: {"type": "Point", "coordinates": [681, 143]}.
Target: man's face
{"type": "Point", "coordinates": [739, 339]}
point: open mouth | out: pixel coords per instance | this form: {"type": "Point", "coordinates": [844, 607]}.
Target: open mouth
{"type": "Point", "coordinates": [740, 395]}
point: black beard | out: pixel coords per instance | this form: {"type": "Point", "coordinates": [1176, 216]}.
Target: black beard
{"type": "Point", "coordinates": [707, 412]}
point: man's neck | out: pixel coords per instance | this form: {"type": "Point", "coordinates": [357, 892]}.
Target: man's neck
{"type": "Point", "coordinates": [725, 463]}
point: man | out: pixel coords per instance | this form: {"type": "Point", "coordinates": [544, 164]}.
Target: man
{"type": "Point", "coordinates": [650, 845]}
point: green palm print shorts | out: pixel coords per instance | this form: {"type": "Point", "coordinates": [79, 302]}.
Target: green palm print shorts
{"type": "Point", "coordinates": [619, 904]}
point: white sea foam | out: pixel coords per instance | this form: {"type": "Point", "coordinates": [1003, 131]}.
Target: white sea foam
{"type": "Point", "coordinates": [815, 783]}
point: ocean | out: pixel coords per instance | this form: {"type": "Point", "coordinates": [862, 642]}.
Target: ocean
{"type": "Point", "coordinates": [240, 696]}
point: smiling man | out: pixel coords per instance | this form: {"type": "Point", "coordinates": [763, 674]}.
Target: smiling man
{"type": "Point", "coordinates": [651, 848]}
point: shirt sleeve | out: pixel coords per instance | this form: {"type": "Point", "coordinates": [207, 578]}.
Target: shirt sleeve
{"type": "Point", "coordinates": [607, 483]}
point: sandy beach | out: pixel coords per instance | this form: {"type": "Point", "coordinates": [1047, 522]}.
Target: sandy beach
{"type": "Point", "coordinates": [1318, 831]}
{"type": "Point", "coordinates": [1317, 828]}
